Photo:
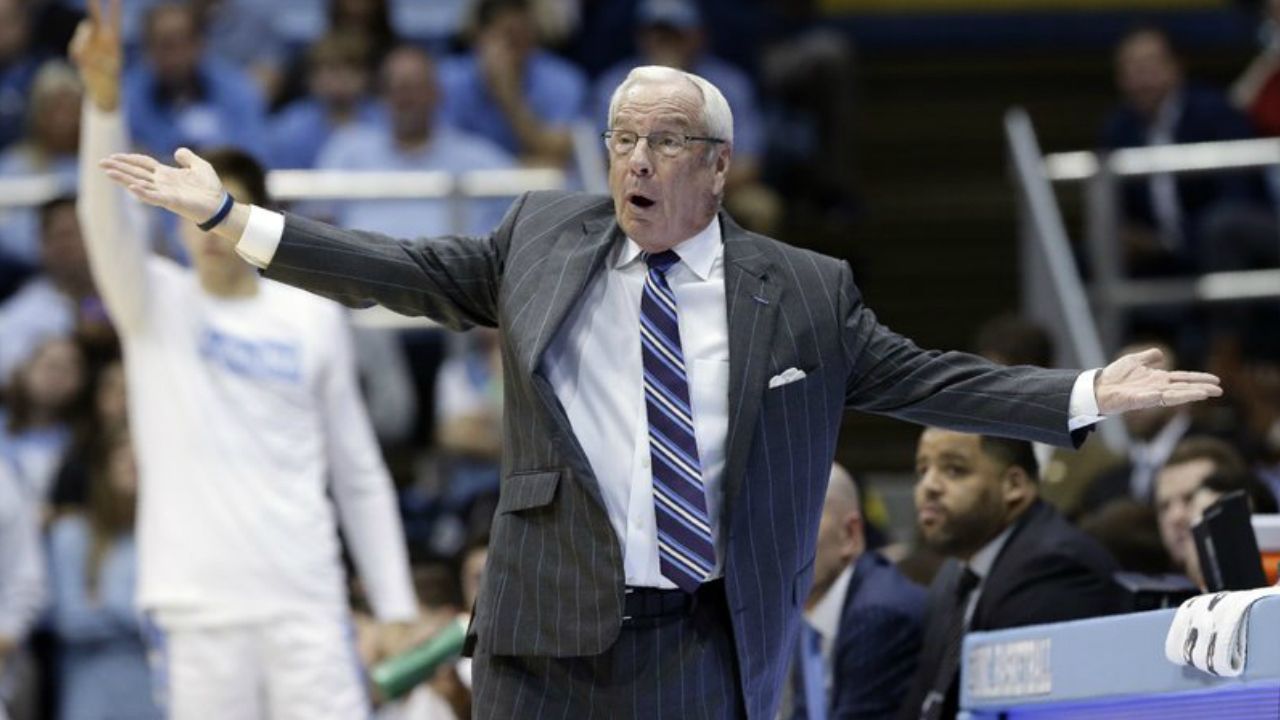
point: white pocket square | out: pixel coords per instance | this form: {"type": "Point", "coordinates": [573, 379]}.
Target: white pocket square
{"type": "Point", "coordinates": [789, 375]}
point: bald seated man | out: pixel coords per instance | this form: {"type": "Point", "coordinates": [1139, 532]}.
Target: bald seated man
{"type": "Point", "coordinates": [863, 620]}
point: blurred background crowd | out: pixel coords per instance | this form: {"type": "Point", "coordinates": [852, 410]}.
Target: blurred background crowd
{"type": "Point", "coordinates": [865, 130]}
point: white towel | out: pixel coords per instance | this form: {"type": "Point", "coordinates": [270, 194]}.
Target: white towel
{"type": "Point", "coordinates": [1211, 632]}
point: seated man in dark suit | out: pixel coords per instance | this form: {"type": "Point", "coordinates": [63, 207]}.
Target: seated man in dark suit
{"type": "Point", "coordinates": [1014, 559]}
{"type": "Point", "coordinates": [1175, 224]}
{"type": "Point", "coordinates": [863, 620]}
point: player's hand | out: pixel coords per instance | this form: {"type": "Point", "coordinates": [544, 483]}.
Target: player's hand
{"type": "Point", "coordinates": [399, 637]}
{"type": "Point", "coordinates": [96, 51]}
{"type": "Point", "coordinates": [1136, 381]}
{"type": "Point", "coordinates": [192, 189]}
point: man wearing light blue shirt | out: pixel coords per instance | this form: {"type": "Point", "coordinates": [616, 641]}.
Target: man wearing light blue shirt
{"type": "Point", "coordinates": [412, 139]}
{"type": "Point", "coordinates": [511, 91]}
{"type": "Point", "coordinates": [181, 96]}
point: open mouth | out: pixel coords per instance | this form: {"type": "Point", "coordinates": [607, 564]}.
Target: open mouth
{"type": "Point", "coordinates": [640, 201]}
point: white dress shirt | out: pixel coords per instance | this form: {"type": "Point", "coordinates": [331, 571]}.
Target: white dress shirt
{"type": "Point", "coordinates": [825, 619]}
{"type": "Point", "coordinates": [980, 564]}
{"type": "Point", "coordinates": [594, 365]}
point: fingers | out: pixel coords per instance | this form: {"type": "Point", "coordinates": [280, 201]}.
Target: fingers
{"type": "Point", "coordinates": [143, 162]}
{"type": "Point", "coordinates": [115, 15]}
{"type": "Point", "coordinates": [1182, 396]}
{"type": "Point", "coordinates": [1151, 357]}
{"type": "Point", "coordinates": [132, 173]}
{"type": "Point", "coordinates": [1183, 376]}
{"type": "Point", "coordinates": [79, 40]}
{"type": "Point", "coordinates": [95, 13]}
{"type": "Point", "coordinates": [187, 159]}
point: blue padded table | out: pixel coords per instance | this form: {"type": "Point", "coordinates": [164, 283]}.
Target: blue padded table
{"type": "Point", "coordinates": [1114, 667]}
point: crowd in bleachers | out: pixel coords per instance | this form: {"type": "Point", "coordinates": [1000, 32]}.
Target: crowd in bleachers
{"type": "Point", "coordinates": [457, 85]}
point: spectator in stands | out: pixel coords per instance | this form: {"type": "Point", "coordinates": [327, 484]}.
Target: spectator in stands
{"type": "Point", "coordinates": [469, 409]}
{"type": "Point", "coordinates": [473, 562]}
{"type": "Point", "coordinates": [243, 32]}
{"type": "Point", "coordinates": [107, 418]}
{"type": "Point", "coordinates": [670, 33]}
{"type": "Point", "coordinates": [1153, 434]}
{"type": "Point", "coordinates": [49, 147]}
{"type": "Point", "coordinates": [1129, 531]}
{"type": "Point", "coordinates": [41, 405]}
{"type": "Point", "coordinates": [370, 19]}
{"type": "Point", "coordinates": [103, 671]}
{"type": "Point", "coordinates": [18, 67]}
{"type": "Point", "coordinates": [863, 620]}
{"type": "Point", "coordinates": [181, 96]}
{"type": "Point", "coordinates": [51, 303]}
{"type": "Point", "coordinates": [414, 139]}
{"type": "Point", "coordinates": [1170, 223]}
{"type": "Point", "coordinates": [1193, 462]}
{"type": "Point", "coordinates": [338, 86]}
{"type": "Point", "coordinates": [510, 90]}
{"type": "Point", "coordinates": [1015, 559]}
{"type": "Point", "coordinates": [22, 589]}
{"type": "Point", "coordinates": [54, 301]}
{"type": "Point", "coordinates": [1257, 91]}
{"type": "Point", "coordinates": [1065, 474]}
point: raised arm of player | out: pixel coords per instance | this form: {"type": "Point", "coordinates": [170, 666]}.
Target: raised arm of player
{"type": "Point", "coordinates": [110, 220]}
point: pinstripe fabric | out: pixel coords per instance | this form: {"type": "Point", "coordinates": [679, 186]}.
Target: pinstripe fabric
{"type": "Point", "coordinates": [554, 584]}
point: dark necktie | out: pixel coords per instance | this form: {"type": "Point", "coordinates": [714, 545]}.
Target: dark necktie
{"type": "Point", "coordinates": [949, 660]}
{"type": "Point", "coordinates": [686, 552]}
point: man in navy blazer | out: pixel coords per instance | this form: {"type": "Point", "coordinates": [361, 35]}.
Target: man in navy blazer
{"type": "Point", "coordinates": [1014, 560]}
{"type": "Point", "coordinates": [1179, 223]}
{"type": "Point", "coordinates": [867, 615]}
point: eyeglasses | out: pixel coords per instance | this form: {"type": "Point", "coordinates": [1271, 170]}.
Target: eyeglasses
{"type": "Point", "coordinates": [668, 144]}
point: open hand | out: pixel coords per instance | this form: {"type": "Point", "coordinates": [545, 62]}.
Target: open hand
{"type": "Point", "coordinates": [192, 189]}
{"type": "Point", "coordinates": [96, 51]}
{"type": "Point", "coordinates": [1136, 381]}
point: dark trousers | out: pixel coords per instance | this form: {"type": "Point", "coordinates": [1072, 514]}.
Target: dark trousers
{"type": "Point", "coordinates": [677, 666]}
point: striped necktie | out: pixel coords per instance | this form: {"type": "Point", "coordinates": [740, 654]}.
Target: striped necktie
{"type": "Point", "coordinates": [685, 549]}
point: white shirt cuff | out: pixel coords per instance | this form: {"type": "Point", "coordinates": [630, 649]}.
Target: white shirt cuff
{"type": "Point", "coordinates": [261, 237]}
{"type": "Point", "coordinates": [1082, 410]}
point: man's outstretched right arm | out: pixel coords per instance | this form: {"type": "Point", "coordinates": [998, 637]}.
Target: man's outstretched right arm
{"type": "Point", "coordinates": [453, 280]}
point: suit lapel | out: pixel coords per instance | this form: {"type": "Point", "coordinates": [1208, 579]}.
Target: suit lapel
{"type": "Point", "coordinates": [574, 259]}
{"type": "Point", "coordinates": [751, 296]}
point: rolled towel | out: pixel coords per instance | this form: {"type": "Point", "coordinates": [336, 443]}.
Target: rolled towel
{"type": "Point", "coordinates": [1211, 632]}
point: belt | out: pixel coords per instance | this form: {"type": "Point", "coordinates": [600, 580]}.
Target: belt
{"type": "Point", "coordinates": [646, 603]}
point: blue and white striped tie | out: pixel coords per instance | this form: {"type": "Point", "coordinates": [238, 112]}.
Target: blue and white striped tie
{"type": "Point", "coordinates": [685, 548]}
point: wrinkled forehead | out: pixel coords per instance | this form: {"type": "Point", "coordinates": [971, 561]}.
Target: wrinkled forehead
{"type": "Point", "coordinates": [671, 105]}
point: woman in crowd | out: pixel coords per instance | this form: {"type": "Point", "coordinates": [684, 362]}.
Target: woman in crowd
{"type": "Point", "coordinates": [104, 672]}
{"type": "Point", "coordinates": [41, 402]}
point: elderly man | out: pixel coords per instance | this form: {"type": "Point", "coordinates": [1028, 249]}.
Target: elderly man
{"type": "Point", "coordinates": [673, 388]}
{"type": "Point", "coordinates": [1014, 559]}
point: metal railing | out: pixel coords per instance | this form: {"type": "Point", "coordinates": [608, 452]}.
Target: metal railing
{"type": "Point", "coordinates": [1088, 321]}
{"type": "Point", "coordinates": [1114, 293]}
{"type": "Point", "coordinates": [1052, 290]}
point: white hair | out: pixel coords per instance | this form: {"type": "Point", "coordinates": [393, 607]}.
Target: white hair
{"type": "Point", "coordinates": [717, 118]}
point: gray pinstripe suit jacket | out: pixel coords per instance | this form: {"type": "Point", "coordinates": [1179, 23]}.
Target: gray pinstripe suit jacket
{"type": "Point", "coordinates": [554, 583]}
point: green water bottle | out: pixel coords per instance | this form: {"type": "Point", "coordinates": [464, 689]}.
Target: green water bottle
{"type": "Point", "coordinates": [398, 675]}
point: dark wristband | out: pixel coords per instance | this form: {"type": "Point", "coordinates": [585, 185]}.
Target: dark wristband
{"type": "Point", "coordinates": [227, 203]}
